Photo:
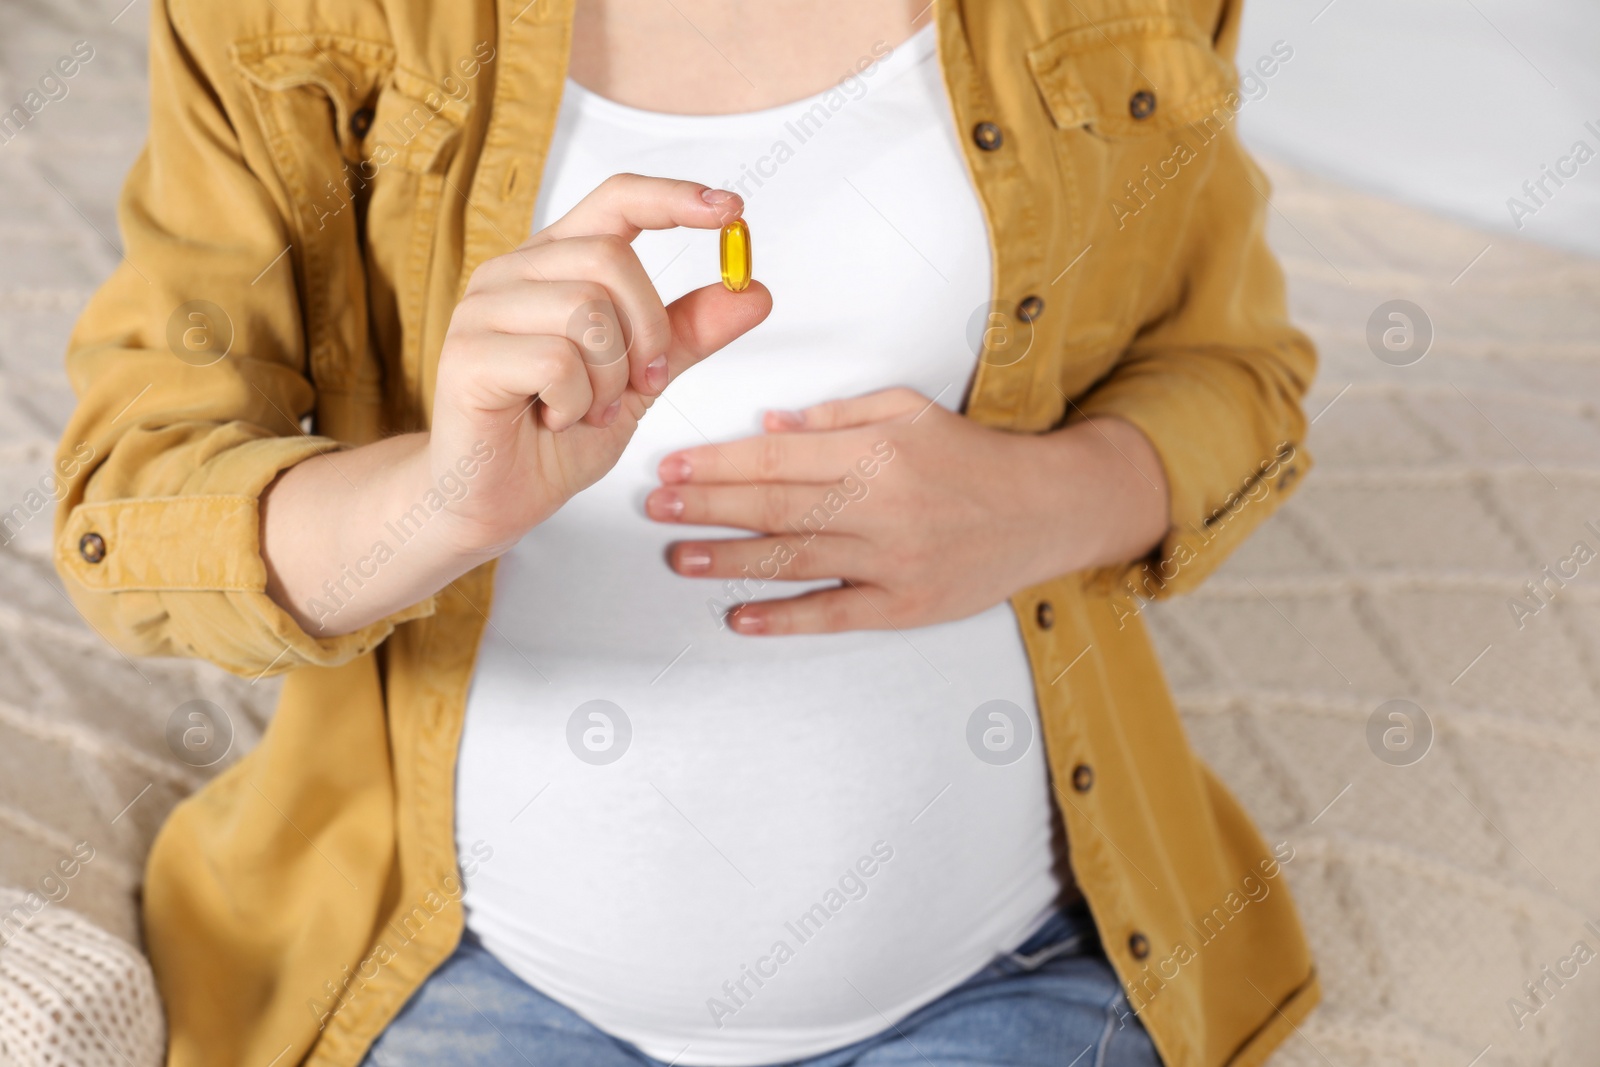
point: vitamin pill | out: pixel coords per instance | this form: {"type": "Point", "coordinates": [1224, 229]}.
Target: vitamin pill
{"type": "Point", "coordinates": [736, 256]}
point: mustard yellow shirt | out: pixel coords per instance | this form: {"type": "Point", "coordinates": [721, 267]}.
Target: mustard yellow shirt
{"type": "Point", "coordinates": [321, 180]}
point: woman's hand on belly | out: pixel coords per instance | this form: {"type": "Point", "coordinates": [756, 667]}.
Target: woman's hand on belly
{"type": "Point", "coordinates": [922, 514]}
{"type": "Point", "coordinates": [557, 349]}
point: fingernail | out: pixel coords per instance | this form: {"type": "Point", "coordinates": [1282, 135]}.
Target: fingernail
{"type": "Point", "coordinates": [694, 560]}
{"type": "Point", "coordinates": [787, 420]}
{"type": "Point", "coordinates": [663, 504]}
{"type": "Point", "coordinates": [610, 414]}
{"type": "Point", "coordinates": [747, 622]}
{"type": "Point", "coordinates": [655, 373]}
{"type": "Point", "coordinates": [717, 197]}
{"type": "Point", "coordinates": [674, 469]}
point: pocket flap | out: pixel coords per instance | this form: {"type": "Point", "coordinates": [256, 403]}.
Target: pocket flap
{"type": "Point", "coordinates": [1131, 77]}
{"type": "Point", "coordinates": [348, 70]}
{"type": "Point", "coordinates": [412, 122]}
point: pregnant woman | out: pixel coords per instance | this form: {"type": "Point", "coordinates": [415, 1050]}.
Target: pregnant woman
{"type": "Point", "coordinates": [679, 672]}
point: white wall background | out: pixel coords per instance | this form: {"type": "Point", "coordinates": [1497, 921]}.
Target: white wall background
{"type": "Point", "coordinates": [1450, 104]}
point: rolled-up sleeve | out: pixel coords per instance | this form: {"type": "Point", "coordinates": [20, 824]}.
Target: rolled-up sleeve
{"type": "Point", "coordinates": [157, 532]}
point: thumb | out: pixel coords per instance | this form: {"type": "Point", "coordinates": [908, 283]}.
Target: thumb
{"type": "Point", "coordinates": [710, 318]}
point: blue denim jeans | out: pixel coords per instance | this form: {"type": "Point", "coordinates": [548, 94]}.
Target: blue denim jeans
{"type": "Point", "coordinates": [1054, 1002]}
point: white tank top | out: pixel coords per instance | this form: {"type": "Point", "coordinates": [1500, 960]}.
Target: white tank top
{"type": "Point", "coordinates": [742, 850]}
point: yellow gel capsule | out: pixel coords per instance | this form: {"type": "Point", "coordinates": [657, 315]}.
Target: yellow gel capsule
{"type": "Point", "coordinates": [736, 256]}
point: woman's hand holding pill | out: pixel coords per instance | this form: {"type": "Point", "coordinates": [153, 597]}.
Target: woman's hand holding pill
{"type": "Point", "coordinates": [557, 349]}
{"type": "Point", "coordinates": [552, 356]}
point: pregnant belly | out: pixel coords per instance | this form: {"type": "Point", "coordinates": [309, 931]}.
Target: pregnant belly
{"type": "Point", "coordinates": [695, 837]}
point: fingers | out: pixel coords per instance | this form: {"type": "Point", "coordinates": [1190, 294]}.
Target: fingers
{"type": "Point", "coordinates": [696, 325]}
{"type": "Point", "coordinates": [579, 280]}
{"type": "Point", "coordinates": [505, 370]}
{"type": "Point", "coordinates": [579, 311]}
{"type": "Point", "coordinates": [779, 457]}
{"type": "Point", "coordinates": [803, 510]}
{"type": "Point", "coordinates": [825, 611]}
{"type": "Point", "coordinates": [768, 559]}
{"type": "Point", "coordinates": [625, 204]}
{"type": "Point", "coordinates": [827, 452]}
{"type": "Point", "coordinates": [884, 405]}
{"type": "Point", "coordinates": [640, 332]}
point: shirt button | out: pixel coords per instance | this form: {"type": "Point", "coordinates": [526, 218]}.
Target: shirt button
{"type": "Point", "coordinates": [1030, 308]}
{"type": "Point", "coordinates": [988, 136]}
{"type": "Point", "coordinates": [1139, 945]}
{"type": "Point", "coordinates": [92, 547]}
{"type": "Point", "coordinates": [1082, 777]}
{"type": "Point", "coordinates": [1045, 615]}
{"type": "Point", "coordinates": [1142, 104]}
{"type": "Point", "coordinates": [360, 122]}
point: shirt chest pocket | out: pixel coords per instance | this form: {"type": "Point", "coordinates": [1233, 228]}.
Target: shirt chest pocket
{"type": "Point", "coordinates": [1135, 102]}
{"type": "Point", "coordinates": [359, 148]}
{"type": "Point", "coordinates": [1125, 80]}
